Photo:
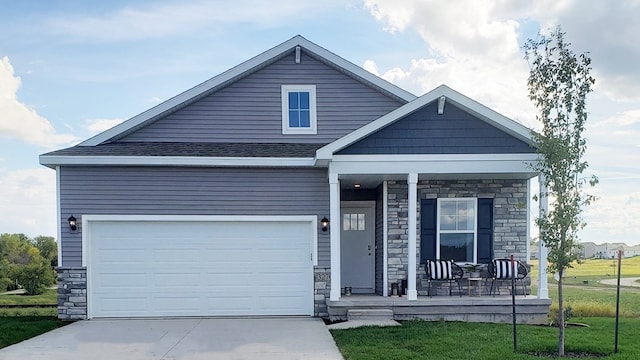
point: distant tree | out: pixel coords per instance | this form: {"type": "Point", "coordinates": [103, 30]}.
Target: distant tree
{"type": "Point", "coordinates": [22, 262]}
{"type": "Point", "coordinates": [48, 248]}
{"type": "Point", "coordinates": [559, 82]}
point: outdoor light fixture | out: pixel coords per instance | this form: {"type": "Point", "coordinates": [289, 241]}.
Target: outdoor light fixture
{"type": "Point", "coordinates": [72, 223]}
{"type": "Point", "coordinates": [325, 223]}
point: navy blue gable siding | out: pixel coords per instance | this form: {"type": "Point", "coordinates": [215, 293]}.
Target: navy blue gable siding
{"type": "Point", "coordinates": [426, 132]}
{"type": "Point", "coordinates": [250, 109]}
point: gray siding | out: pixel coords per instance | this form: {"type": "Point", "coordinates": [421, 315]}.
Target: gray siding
{"type": "Point", "coordinates": [250, 110]}
{"type": "Point", "coordinates": [189, 191]}
{"type": "Point", "coordinates": [426, 132]}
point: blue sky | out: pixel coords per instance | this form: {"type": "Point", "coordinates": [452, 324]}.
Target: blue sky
{"type": "Point", "coordinates": [69, 69]}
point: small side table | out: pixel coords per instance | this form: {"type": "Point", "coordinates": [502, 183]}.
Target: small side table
{"type": "Point", "coordinates": [478, 284]}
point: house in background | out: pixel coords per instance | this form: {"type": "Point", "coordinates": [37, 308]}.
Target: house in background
{"type": "Point", "coordinates": [274, 186]}
{"type": "Point", "coordinates": [608, 250]}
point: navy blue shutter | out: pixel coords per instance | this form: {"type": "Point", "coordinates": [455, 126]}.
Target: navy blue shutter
{"type": "Point", "coordinates": [428, 231]}
{"type": "Point", "coordinates": [485, 230]}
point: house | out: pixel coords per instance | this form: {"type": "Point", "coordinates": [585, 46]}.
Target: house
{"type": "Point", "coordinates": [608, 250]}
{"type": "Point", "coordinates": [276, 186]}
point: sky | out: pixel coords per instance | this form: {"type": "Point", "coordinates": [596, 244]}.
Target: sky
{"type": "Point", "coordinates": [72, 68]}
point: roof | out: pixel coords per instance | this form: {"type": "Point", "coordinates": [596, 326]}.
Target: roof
{"type": "Point", "coordinates": [467, 104]}
{"type": "Point", "coordinates": [190, 96]}
{"type": "Point", "coordinates": [185, 154]}
{"type": "Point", "coordinates": [278, 150]}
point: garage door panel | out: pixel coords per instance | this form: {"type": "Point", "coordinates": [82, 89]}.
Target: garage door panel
{"type": "Point", "coordinates": [183, 268]}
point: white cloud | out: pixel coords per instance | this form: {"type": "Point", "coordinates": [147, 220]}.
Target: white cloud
{"type": "Point", "coordinates": [160, 20]}
{"type": "Point", "coordinates": [99, 125]}
{"type": "Point", "coordinates": [371, 67]}
{"type": "Point", "coordinates": [469, 45]}
{"type": "Point", "coordinates": [624, 119]}
{"type": "Point", "coordinates": [28, 201]}
{"type": "Point", "coordinates": [615, 214]}
{"type": "Point", "coordinates": [17, 120]}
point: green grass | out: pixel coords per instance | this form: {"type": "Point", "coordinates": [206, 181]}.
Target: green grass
{"type": "Point", "coordinates": [30, 311]}
{"type": "Point", "coordinates": [595, 298]}
{"type": "Point", "coordinates": [48, 297]}
{"type": "Point", "coordinates": [456, 340]}
{"type": "Point", "coordinates": [16, 329]}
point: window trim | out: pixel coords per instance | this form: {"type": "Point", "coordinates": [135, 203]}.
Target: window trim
{"type": "Point", "coordinates": [475, 227]}
{"type": "Point", "coordinates": [285, 90]}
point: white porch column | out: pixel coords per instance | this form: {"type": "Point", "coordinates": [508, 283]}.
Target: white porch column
{"type": "Point", "coordinates": [543, 287]}
{"type": "Point", "coordinates": [412, 223]}
{"type": "Point", "coordinates": [334, 235]}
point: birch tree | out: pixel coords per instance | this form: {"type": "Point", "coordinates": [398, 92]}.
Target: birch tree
{"type": "Point", "coordinates": [559, 82]}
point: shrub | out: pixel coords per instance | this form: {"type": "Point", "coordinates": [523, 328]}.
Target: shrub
{"type": "Point", "coordinates": [553, 314]}
{"type": "Point", "coordinates": [5, 283]}
{"type": "Point", "coordinates": [35, 277]}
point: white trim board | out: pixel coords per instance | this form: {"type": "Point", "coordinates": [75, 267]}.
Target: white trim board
{"type": "Point", "coordinates": [58, 217]}
{"type": "Point", "coordinates": [490, 164]}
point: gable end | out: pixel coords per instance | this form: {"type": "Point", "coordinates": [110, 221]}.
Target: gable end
{"type": "Point", "coordinates": [426, 132]}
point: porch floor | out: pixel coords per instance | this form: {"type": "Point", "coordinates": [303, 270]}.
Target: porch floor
{"type": "Point", "coordinates": [493, 309]}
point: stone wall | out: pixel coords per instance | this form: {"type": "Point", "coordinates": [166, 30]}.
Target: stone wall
{"type": "Point", "coordinates": [510, 220]}
{"type": "Point", "coordinates": [321, 290]}
{"type": "Point", "coordinates": [72, 293]}
{"type": "Point", "coordinates": [397, 232]}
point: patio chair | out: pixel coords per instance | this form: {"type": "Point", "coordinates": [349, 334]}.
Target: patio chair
{"type": "Point", "coordinates": [501, 269]}
{"type": "Point", "coordinates": [443, 270]}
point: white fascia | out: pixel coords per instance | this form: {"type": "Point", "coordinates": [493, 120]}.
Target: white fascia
{"type": "Point", "coordinates": [433, 164]}
{"type": "Point", "coordinates": [58, 216]}
{"type": "Point", "coordinates": [176, 161]}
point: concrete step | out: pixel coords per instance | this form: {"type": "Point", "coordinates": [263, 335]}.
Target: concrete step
{"type": "Point", "coordinates": [370, 314]}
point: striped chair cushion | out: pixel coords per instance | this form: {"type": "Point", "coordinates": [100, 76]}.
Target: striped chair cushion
{"type": "Point", "coordinates": [503, 269]}
{"type": "Point", "coordinates": [440, 269]}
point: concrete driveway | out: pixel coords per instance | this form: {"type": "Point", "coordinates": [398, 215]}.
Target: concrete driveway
{"type": "Point", "coordinates": [188, 339]}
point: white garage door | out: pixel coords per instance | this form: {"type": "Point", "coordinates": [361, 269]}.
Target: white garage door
{"type": "Point", "coordinates": [199, 268]}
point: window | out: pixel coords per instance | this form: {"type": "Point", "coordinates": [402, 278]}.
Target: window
{"type": "Point", "coordinates": [299, 109]}
{"type": "Point", "coordinates": [353, 222]}
{"type": "Point", "coordinates": [457, 229]}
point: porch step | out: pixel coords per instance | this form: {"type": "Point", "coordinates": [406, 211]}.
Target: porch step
{"type": "Point", "coordinates": [370, 314]}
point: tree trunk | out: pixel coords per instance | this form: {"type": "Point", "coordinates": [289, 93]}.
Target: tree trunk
{"type": "Point", "coordinates": [561, 320]}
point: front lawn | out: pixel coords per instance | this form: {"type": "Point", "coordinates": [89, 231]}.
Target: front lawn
{"type": "Point", "coordinates": [456, 340]}
{"type": "Point", "coordinates": [15, 329]}
{"type": "Point", "coordinates": [48, 297]}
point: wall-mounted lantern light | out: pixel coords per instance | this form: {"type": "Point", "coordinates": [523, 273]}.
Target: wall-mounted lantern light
{"type": "Point", "coordinates": [72, 223]}
{"type": "Point", "coordinates": [325, 223]}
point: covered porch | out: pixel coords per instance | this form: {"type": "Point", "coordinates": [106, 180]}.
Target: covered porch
{"type": "Point", "coordinates": [397, 202]}
{"type": "Point", "coordinates": [447, 179]}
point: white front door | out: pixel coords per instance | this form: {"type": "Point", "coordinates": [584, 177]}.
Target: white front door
{"type": "Point", "coordinates": [357, 248]}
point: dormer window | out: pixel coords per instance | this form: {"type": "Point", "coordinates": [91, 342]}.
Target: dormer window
{"type": "Point", "coordinates": [299, 109]}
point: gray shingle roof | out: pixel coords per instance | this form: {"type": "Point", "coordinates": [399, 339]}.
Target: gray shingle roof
{"type": "Point", "coordinates": [276, 150]}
